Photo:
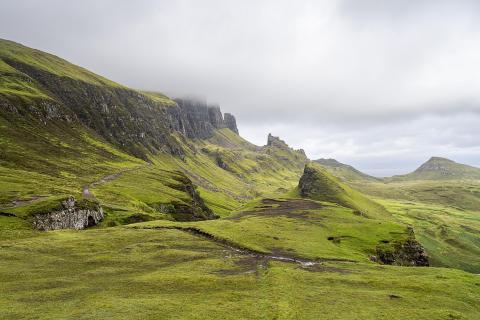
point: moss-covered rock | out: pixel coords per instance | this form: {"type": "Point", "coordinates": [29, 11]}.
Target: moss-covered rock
{"type": "Point", "coordinates": [405, 252]}
{"type": "Point", "coordinates": [68, 214]}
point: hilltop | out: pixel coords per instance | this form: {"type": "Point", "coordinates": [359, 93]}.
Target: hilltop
{"type": "Point", "coordinates": [343, 171]}
{"type": "Point", "coordinates": [437, 168]}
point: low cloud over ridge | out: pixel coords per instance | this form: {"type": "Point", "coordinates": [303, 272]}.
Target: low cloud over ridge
{"type": "Point", "coordinates": [382, 85]}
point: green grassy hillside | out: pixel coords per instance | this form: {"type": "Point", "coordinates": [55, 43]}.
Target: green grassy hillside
{"type": "Point", "coordinates": [343, 171]}
{"type": "Point", "coordinates": [437, 168]}
{"type": "Point", "coordinates": [169, 274]}
{"type": "Point", "coordinates": [53, 145]}
{"type": "Point", "coordinates": [17, 84]}
{"type": "Point", "coordinates": [280, 248]}
{"type": "Point", "coordinates": [317, 183]}
{"type": "Point", "coordinates": [443, 211]}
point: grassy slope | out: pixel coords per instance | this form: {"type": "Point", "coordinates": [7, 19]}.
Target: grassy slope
{"type": "Point", "coordinates": [343, 171]}
{"type": "Point", "coordinates": [16, 84]}
{"type": "Point", "coordinates": [149, 274]}
{"type": "Point", "coordinates": [41, 161]}
{"type": "Point", "coordinates": [328, 188]}
{"type": "Point", "coordinates": [329, 232]}
{"type": "Point", "coordinates": [444, 213]}
{"type": "Point", "coordinates": [119, 272]}
{"type": "Point", "coordinates": [224, 190]}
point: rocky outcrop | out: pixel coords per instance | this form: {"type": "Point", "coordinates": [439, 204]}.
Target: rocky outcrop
{"type": "Point", "coordinates": [198, 120]}
{"type": "Point", "coordinates": [126, 118]}
{"type": "Point", "coordinates": [230, 122]}
{"type": "Point", "coordinates": [315, 183]}
{"type": "Point", "coordinates": [70, 215]}
{"type": "Point", "coordinates": [273, 141]}
{"type": "Point", "coordinates": [406, 252]}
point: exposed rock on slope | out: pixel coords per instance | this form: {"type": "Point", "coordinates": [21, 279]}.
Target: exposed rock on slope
{"type": "Point", "coordinates": [197, 119]}
{"type": "Point", "coordinates": [43, 87]}
{"type": "Point", "coordinates": [407, 252]}
{"type": "Point", "coordinates": [70, 215]}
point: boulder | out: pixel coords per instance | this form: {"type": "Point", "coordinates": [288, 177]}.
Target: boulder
{"type": "Point", "coordinates": [70, 215]}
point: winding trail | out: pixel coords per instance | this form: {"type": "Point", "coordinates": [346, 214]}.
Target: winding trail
{"type": "Point", "coordinates": [85, 189]}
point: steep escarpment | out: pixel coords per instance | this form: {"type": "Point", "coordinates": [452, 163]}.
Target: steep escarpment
{"type": "Point", "coordinates": [45, 88]}
{"type": "Point", "coordinates": [197, 119]}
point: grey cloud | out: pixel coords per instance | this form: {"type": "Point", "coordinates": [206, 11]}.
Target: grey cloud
{"type": "Point", "coordinates": [354, 75]}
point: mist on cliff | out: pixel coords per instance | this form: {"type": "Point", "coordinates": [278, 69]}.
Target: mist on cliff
{"type": "Point", "coordinates": [381, 85]}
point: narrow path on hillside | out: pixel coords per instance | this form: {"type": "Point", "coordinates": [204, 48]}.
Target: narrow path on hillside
{"type": "Point", "coordinates": [86, 189]}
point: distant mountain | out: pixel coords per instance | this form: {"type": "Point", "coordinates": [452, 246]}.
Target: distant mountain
{"type": "Point", "coordinates": [343, 171]}
{"type": "Point", "coordinates": [437, 168]}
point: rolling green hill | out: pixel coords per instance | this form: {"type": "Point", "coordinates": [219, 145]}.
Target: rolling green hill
{"type": "Point", "coordinates": [441, 200]}
{"type": "Point", "coordinates": [343, 171]}
{"type": "Point", "coordinates": [317, 183]}
{"type": "Point", "coordinates": [437, 168]}
{"type": "Point", "coordinates": [201, 224]}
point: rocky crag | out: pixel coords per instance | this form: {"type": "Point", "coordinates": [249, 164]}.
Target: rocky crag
{"type": "Point", "coordinates": [70, 215]}
{"type": "Point", "coordinates": [197, 119]}
{"type": "Point", "coordinates": [136, 122]}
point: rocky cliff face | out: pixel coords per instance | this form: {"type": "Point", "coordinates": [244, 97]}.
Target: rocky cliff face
{"type": "Point", "coordinates": [230, 122]}
{"type": "Point", "coordinates": [71, 215]}
{"type": "Point", "coordinates": [198, 120]}
{"type": "Point", "coordinates": [128, 119]}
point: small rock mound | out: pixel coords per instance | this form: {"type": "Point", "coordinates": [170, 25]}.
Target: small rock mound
{"type": "Point", "coordinates": [70, 214]}
{"type": "Point", "coordinates": [407, 252]}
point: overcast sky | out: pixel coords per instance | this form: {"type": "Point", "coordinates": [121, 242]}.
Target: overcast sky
{"type": "Point", "coordinates": [382, 85]}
